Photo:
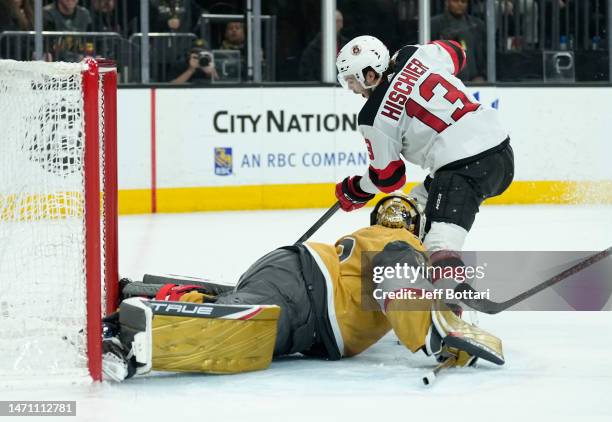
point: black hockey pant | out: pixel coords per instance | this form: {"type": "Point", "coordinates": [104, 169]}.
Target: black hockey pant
{"type": "Point", "coordinates": [457, 189]}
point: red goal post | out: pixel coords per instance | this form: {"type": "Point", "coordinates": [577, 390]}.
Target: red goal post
{"type": "Point", "coordinates": [100, 110]}
{"type": "Point", "coordinates": [58, 216]}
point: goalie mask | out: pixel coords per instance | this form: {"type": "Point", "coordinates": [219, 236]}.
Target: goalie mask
{"type": "Point", "coordinates": [399, 212]}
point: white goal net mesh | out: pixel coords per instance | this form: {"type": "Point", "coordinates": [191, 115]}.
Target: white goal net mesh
{"type": "Point", "coordinates": [42, 230]}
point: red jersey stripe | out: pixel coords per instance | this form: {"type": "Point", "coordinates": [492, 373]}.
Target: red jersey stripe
{"type": "Point", "coordinates": [451, 52]}
{"type": "Point", "coordinates": [456, 44]}
{"type": "Point", "coordinates": [391, 188]}
{"type": "Point", "coordinates": [388, 171]}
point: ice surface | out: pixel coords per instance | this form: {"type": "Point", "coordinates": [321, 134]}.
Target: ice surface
{"type": "Point", "coordinates": [558, 363]}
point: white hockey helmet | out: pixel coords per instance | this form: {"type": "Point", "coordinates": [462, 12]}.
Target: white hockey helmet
{"type": "Point", "coordinates": [359, 54]}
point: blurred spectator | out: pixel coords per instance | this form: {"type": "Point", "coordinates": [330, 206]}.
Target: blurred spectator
{"type": "Point", "coordinates": [71, 49]}
{"type": "Point", "coordinates": [16, 15]}
{"type": "Point", "coordinates": [199, 68]}
{"type": "Point", "coordinates": [25, 12]}
{"type": "Point", "coordinates": [173, 15]}
{"type": "Point", "coordinates": [310, 63]}
{"type": "Point", "coordinates": [233, 38]}
{"type": "Point", "coordinates": [66, 15]}
{"type": "Point", "coordinates": [456, 24]}
{"type": "Point", "coordinates": [104, 17]}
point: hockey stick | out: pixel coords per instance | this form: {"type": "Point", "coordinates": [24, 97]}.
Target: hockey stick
{"type": "Point", "coordinates": [319, 223]}
{"type": "Point", "coordinates": [431, 376]}
{"type": "Point", "coordinates": [489, 307]}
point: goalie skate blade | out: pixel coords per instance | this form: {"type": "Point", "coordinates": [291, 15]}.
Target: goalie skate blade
{"type": "Point", "coordinates": [114, 368]}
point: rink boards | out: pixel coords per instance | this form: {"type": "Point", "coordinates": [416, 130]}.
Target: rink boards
{"type": "Point", "coordinates": [184, 150]}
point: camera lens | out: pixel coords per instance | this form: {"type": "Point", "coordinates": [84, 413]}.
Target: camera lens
{"type": "Point", "coordinates": [204, 59]}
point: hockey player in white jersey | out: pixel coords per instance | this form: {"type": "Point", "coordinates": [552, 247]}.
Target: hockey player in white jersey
{"type": "Point", "coordinates": [418, 111]}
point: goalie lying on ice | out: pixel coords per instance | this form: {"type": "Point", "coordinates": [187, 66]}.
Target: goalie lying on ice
{"type": "Point", "coordinates": [298, 299]}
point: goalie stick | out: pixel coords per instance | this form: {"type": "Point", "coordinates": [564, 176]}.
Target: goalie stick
{"type": "Point", "coordinates": [489, 307]}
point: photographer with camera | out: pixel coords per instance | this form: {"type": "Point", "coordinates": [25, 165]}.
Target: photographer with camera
{"type": "Point", "coordinates": [200, 68]}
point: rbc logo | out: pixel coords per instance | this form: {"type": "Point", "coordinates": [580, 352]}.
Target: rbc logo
{"type": "Point", "coordinates": [223, 161]}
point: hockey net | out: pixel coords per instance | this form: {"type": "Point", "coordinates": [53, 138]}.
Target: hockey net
{"type": "Point", "coordinates": [58, 217]}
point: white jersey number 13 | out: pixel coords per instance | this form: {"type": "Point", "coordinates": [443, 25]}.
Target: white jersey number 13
{"type": "Point", "coordinates": [414, 109]}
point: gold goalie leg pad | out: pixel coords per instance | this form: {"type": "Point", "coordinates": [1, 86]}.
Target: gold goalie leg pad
{"type": "Point", "coordinates": [210, 338]}
{"type": "Point", "coordinates": [458, 334]}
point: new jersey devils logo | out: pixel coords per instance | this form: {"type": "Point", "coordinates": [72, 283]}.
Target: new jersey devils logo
{"type": "Point", "coordinates": [356, 50]}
